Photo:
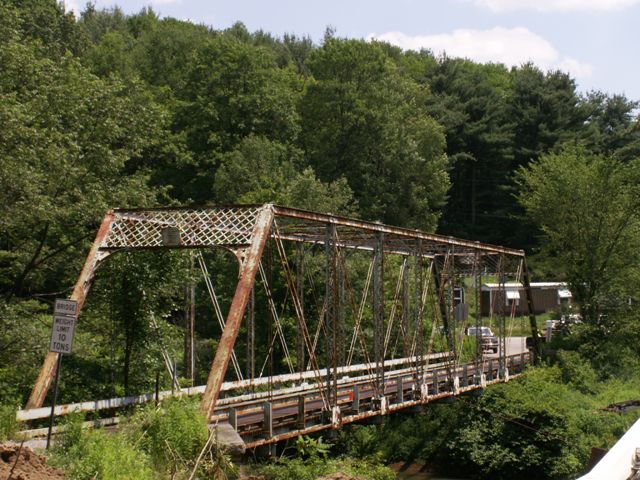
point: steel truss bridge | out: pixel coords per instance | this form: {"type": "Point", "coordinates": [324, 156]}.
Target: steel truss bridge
{"type": "Point", "coordinates": [380, 317]}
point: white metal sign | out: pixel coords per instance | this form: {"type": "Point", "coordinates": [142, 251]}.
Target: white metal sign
{"type": "Point", "coordinates": [171, 237]}
{"type": "Point", "coordinates": [65, 307]}
{"type": "Point", "coordinates": [62, 335]}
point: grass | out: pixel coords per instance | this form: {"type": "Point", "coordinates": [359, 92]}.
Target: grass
{"type": "Point", "coordinates": [154, 443]}
{"type": "Point", "coordinates": [8, 422]}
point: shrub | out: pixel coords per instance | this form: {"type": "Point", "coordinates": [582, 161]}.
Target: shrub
{"type": "Point", "coordinates": [8, 422]}
{"type": "Point", "coordinates": [313, 468]}
{"type": "Point", "coordinates": [296, 469]}
{"type": "Point", "coordinates": [105, 456]}
{"type": "Point", "coordinates": [96, 454]}
{"type": "Point", "coordinates": [173, 434]}
{"type": "Point", "coordinates": [576, 371]}
{"type": "Point", "coordinates": [307, 447]}
{"type": "Point", "coordinates": [72, 434]}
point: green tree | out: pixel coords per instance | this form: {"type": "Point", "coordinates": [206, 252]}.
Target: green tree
{"type": "Point", "coordinates": [364, 121]}
{"type": "Point", "coordinates": [587, 209]}
{"type": "Point", "coordinates": [66, 139]}
{"type": "Point", "coordinates": [97, 23]}
{"type": "Point", "coordinates": [261, 171]}
{"type": "Point", "coordinates": [112, 55]}
{"type": "Point", "coordinates": [611, 126]}
{"type": "Point", "coordinates": [471, 102]}
{"type": "Point", "coordinates": [136, 305]}
{"type": "Point", "coordinates": [233, 90]}
{"type": "Point", "coordinates": [69, 150]}
{"type": "Point", "coordinates": [536, 427]}
{"type": "Point", "coordinates": [47, 25]}
{"type": "Point", "coordinates": [545, 109]}
{"type": "Point", "coordinates": [164, 54]}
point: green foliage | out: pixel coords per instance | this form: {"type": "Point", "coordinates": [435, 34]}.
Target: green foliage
{"type": "Point", "coordinates": [587, 208]}
{"type": "Point", "coordinates": [611, 348]}
{"type": "Point", "coordinates": [311, 461]}
{"type": "Point", "coordinates": [24, 336]}
{"type": "Point", "coordinates": [542, 425]}
{"type": "Point", "coordinates": [408, 437]}
{"type": "Point", "coordinates": [233, 90]}
{"type": "Point", "coordinates": [363, 120]}
{"type": "Point", "coordinates": [95, 454]}
{"type": "Point", "coordinates": [72, 434]}
{"type": "Point", "coordinates": [295, 469]}
{"type": "Point", "coordinates": [139, 291]}
{"type": "Point", "coordinates": [611, 126]}
{"type": "Point", "coordinates": [8, 422]}
{"type": "Point", "coordinates": [536, 427]}
{"type": "Point", "coordinates": [307, 447]}
{"type": "Point", "coordinates": [471, 102]}
{"type": "Point", "coordinates": [45, 23]}
{"type": "Point", "coordinates": [262, 171]}
{"type": "Point", "coordinates": [65, 145]}
{"type": "Point", "coordinates": [153, 443]}
{"type": "Point", "coordinates": [107, 457]}
{"type": "Point", "coordinates": [172, 434]}
{"type": "Point", "coordinates": [577, 372]}
{"type": "Point", "coordinates": [359, 441]}
{"type": "Point", "coordinates": [313, 468]}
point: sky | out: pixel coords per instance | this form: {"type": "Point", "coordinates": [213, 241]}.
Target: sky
{"type": "Point", "coordinates": [596, 41]}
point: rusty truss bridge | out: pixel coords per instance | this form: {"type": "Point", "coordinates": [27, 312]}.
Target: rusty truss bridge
{"type": "Point", "coordinates": [363, 318]}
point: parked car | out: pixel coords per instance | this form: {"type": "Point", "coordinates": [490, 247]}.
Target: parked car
{"type": "Point", "coordinates": [487, 339]}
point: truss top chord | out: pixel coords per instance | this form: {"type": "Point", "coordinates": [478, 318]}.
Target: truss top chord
{"type": "Point", "coordinates": [232, 227]}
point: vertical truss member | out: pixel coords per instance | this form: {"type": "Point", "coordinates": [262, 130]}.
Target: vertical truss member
{"type": "Point", "coordinates": [378, 313]}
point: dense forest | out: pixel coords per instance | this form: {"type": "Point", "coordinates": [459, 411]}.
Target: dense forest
{"type": "Point", "coordinates": [112, 110]}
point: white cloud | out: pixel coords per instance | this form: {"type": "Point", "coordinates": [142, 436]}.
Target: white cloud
{"type": "Point", "coordinates": [555, 5]}
{"type": "Point", "coordinates": [72, 6]}
{"type": "Point", "coordinates": [511, 46]}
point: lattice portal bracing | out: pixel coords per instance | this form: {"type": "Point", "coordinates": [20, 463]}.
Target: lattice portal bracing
{"type": "Point", "coordinates": [197, 228]}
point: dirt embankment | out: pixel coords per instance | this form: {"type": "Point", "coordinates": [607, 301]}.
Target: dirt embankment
{"type": "Point", "coordinates": [30, 465]}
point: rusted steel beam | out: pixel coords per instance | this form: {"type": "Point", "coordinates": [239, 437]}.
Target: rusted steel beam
{"type": "Point", "coordinates": [344, 244]}
{"type": "Point", "coordinates": [532, 313]}
{"type": "Point", "coordinates": [300, 272]}
{"type": "Point", "coordinates": [406, 330]}
{"type": "Point", "coordinates": [390, 230]}
{"type": "Point", "coordinates": [236, 310]}
{"type": "Point", "coordinates": [82, 286]}
{"type": "Point", "coordinates": [332, 313]}
{"type": "Point", "coordinates": [418, 314]}
{"type": "Point", "coordinates": [378, 312]}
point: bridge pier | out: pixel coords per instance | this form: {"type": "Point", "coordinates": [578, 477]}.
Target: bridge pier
{"type": "Point", "coordinates": [227, 437]}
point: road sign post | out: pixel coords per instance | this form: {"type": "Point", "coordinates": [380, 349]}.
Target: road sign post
{"type": "Point", "coordinates": [62, 333]}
